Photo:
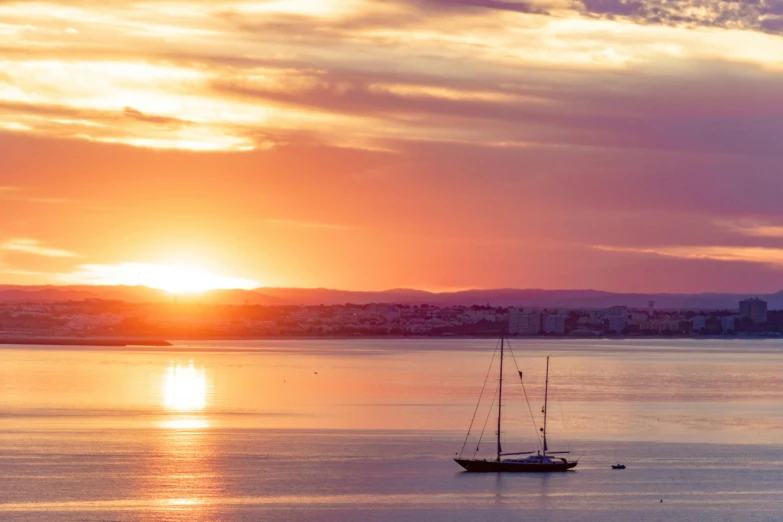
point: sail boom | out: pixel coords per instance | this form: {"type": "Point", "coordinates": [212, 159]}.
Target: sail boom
{"type": "Point", "coordinates": [518, 453]}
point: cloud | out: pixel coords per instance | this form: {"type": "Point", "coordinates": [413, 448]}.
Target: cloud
{"type": "Point", "coordinates": [752, 228]}
{"type": "Point", "coordinates": [153, 131]}
{"type": "Point", "coordinates": [502, 5]}
{"type": "Point", "coordinates": [762, 15]}
{"type": "Point", "coordinates": [765, 231]}
{"type": "Point", "coordinates": [769, 256]}
{"type": "Point", "coordinates": [130, 112]}
{"type": "Point", "coordinates": [357, 73]}
{"type": "Point", "coordinates": [35, 247]}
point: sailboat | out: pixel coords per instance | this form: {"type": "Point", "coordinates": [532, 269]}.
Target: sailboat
{"type": "Point", "coordinates": [540, 461]}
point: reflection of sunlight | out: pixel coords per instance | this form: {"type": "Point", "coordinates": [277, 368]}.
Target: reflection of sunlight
{"type": "Point", "coordinates": [185, 424]}
{"type": "Point", "coordinates": [183, 501]}
{"type": "Point", "coordinates": [182, 477]}
{"type": "Point", "coordinates": [185, 388]}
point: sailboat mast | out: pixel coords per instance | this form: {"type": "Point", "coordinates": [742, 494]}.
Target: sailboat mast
{"type": "Point", "coordinates": [500, 395]}
{"type": "Point", "coordinates": [546, 396]}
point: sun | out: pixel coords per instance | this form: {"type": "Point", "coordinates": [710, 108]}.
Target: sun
{"type": "Point", "coordinates": [185, 388]}
{"type": "Point", "coordinates": [173, 278]}
{"type": "Point", "coordinates": [184, 279]}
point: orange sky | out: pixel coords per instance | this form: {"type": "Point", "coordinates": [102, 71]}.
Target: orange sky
{"type": "Point", "coordinates": [367, 145]}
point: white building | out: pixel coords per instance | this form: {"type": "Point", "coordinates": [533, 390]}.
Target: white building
{"type": "Point", "coordinates": [524, 322]}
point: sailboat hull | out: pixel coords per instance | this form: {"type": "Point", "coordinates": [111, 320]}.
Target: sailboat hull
{"type": "Point", "coordinates": [493, 466]}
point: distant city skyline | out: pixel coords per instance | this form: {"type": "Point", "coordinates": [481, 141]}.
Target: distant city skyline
{"type": "Point", "coordinates": [114, 320]}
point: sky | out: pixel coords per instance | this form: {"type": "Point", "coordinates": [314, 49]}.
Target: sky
{"type": "Point", "coordinates": [622, 145]}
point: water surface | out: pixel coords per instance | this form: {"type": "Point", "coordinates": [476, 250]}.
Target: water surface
{"type": "Point", "coordinates": [365, 430]}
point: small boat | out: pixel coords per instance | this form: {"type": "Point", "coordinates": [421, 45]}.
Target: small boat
{"type": "Point", "coordinates": [618, 466]}
{"type": "Point", "coordinates": [540, 461]}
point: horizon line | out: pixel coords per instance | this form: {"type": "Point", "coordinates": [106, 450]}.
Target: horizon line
{"type": "Point", "coordinates": [260, 289]}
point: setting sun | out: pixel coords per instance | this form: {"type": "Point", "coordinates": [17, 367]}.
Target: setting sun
{"type": "Point", "coordinates": [176, 279]}
{"type": "Point", "coordinates": [185, 388]}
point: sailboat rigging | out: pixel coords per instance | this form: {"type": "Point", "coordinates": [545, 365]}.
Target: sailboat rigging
{"type": "Point", "coordinates": [535, 461]}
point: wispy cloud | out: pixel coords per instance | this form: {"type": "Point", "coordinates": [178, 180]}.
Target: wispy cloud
{"type": "Point", "coordinates": [771, 256]}
{"type": "Point", "coordinates": [765, 231]}
{"type": "Point", "coordinates": [753, 229]}
{"type": "Point", "coordinates": [35, 247]}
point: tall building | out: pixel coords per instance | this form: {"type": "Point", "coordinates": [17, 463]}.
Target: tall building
{"type": "Point", "coordinates": [524, 322]}
{"type": "Point", "coordinates": [554, 323]}
{"type": "Point", "coordinates": [699, 323]}
{"type": "Point", "coordinates": [727, 323]}
{"type": "Point", "coordinates": [754, 308]}
{"type": "Point", "coordinates": [513, 320]}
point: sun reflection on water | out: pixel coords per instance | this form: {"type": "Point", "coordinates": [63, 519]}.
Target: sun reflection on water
{"type": "Point", "coordinates": [182, 501]}
{"type": "Point", "coordinates": [185, 388]}
{"type": "Point", "coordinates": [185, 424]}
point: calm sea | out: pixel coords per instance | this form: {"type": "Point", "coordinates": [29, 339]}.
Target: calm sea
{"type": "Point", "coordinates": [366, 430]}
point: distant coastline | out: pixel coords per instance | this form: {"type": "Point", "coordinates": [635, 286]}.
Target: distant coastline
{"type": "Point", "coordinates": [138, 341]}
{"type": "Point", "coordinates": [474, 336]}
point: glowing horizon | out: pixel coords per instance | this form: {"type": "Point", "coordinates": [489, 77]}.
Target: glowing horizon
{"type": "Point", "coordinates": [175, 279]}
